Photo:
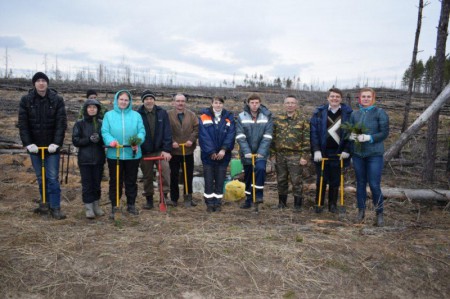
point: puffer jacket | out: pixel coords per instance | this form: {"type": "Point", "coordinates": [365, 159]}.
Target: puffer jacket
{"type": "Point", "coordinates": [319, 131]}
{"type": "Point", "coordinates": [89, 153]}
{"type": "Point", "coordinates": [42, 120]}
{"type": "Point", "coordinates": [162, 141]}
{"type": "Point", "coordinates": [120, 125]}
{"type": "Point", "coordinates": [254, 136]}
{"type": "Point", "coordinates": [376, 124]}
{"type": "Point", "coordinates": [214, 137]}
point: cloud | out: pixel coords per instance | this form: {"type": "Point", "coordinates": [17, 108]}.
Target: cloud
{"type": "Point", "coordinates": [11, 42]}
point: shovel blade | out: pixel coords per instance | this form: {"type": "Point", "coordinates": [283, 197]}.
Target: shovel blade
{"type": "Point", "coordinates": [162, 207]}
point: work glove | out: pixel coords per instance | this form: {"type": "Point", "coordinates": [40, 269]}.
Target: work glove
{"type": "Point", "coordinates": [353, 136]}
{"type": "Point", "coordinates": [344, 155]}
{"type": "Point", "coordinates": [363, 138]}
{"type": "Point", "coordinates": [248, 156]}
{"type": "Point", "coordinates": [52, 148]}
{"type": "Point", "coordinates": [317, 156]}
{"type": "Point", "coordinates": [95, 138]}
{"type": "Point", "coordinates": [113, 143]}
{"type": "Point", "coordinates": [32, 148]}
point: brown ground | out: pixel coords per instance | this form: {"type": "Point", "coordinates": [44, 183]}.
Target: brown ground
{"type": "Point", "coordinates": [187, 253]}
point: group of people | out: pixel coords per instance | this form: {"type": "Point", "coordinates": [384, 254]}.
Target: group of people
{"type": "Point", "coordinates": [125, 138]}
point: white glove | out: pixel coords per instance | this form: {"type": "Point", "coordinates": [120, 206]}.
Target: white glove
{"type": "Point", "coordinates": [344, 155]}
{"type": "Point", "coordinates": [52, 148]}
{"type": "Point", "coordinates": [363, 138]}
{"type": "Point", "coordinates": [248, 156]}
{"type": "Point", "coordinates": [317, 156]}
{"type": "Point", "coordinates": [353, 136]}
{"type": "Point", "coordinates": [32, 148]}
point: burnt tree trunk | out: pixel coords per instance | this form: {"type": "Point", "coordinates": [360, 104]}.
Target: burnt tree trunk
{"type": "Point", "coordinates": [417, 124]}
{"type": "Point", "coordinates": [436, 87]}
{"type": "Point", "coordinates": [412, 69]}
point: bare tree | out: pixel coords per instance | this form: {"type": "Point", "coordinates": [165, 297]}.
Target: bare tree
{"type": "Point", "coordinates": [6, 62]}
{"type": "Point", "coordinates": [436, 88]}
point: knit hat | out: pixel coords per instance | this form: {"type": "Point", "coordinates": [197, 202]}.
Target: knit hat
{"type": "Point", "coordinates": [147, 93]}
{"type": "Point", "coordinates": [39, 75]}
{"type": "Point", "coordinates": [90, 92]}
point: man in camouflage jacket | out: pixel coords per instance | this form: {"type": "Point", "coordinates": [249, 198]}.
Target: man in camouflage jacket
{"type": "Point", "coordinates": [289, 147]}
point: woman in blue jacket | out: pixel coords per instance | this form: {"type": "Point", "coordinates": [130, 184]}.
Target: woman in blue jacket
{"type": "Point", "coordinates": [368, 153]}
{"type": "Point", "coordinates": [119, 125]}
{"type": "Point", "coordinates": [216, 138]}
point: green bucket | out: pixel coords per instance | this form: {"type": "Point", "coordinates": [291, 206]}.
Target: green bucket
{"type": "Point", "coordinates": [235, 167]}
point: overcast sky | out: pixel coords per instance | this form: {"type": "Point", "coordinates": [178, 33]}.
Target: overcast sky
{"type": "Point", "coordinates": [322, 42]}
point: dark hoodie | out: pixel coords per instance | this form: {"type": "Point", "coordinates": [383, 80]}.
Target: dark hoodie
{"type": "Point", "coordinates": [89, 153]}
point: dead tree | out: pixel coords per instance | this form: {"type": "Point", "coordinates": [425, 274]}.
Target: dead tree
{"type": "Point", "coordinates": [412, 68]}
{"type": "Point", "coordinates": [418, 123]}
{"type": "Point", "coordinates": [436, 87]}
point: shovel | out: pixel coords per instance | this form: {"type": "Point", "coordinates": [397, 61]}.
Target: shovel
{"type": "Point", "coordinates": [341, 207]}
{"type": "Point", "coordinates": [254, 183]}
{"type": "Point", "coordinates": [162, 202]}
{"type": "Point", "coordinates": [116, 212]}
{"type": "Point", "coordinates": [186, 188]}
{"type": "Point", "coordinates": [319, 202]}
{"type": "Point", "coordinates": [44, 197]}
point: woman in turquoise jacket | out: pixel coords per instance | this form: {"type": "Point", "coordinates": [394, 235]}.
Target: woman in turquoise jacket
{"type": "Point", "coordinates": [119, 125]}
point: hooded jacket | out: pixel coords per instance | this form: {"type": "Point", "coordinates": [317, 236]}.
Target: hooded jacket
{"type": "Point", "coordinates": [42, 120]}
{"type": "Point", "coordinates": [89, 153]}
{"type": "Point", "coordinates": [120, 125]}
{"type": "Point", "coordinates": [214, 136]}
{"type": "Point", "coordinates": [162, 141]}
{"type": "Point", "coordinates": [254, 136]}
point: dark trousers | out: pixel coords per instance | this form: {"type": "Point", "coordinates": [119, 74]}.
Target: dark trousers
{"type": "Point", "coordinates": [260, 178]}
{"type": "Point", "coordinates": [214, 179]}
{"type": "Point", "coordinates": [91, 178]}
{"type": "Point", "coordinates": [175, 164]}
{"type": "Point", "coordinates": [128, 170]}
{"type": "Point", "coordinates": [331, 175]}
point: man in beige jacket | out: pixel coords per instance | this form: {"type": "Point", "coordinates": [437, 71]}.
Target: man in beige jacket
{"type": "Point", "coordinates": [184, 125]}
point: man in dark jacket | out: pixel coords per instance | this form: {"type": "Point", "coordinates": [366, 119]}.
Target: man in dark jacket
{"type": "Point", "coordinates": [254, 129]}
{"type": "Point", "coordinates": [158, 142]}
{"type": "Point", "coordinates": [42, 123]}
{"type": "Point", "coordinates": [327, 141]}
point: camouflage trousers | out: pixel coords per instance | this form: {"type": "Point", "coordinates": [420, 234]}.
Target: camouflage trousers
{"type": "Point", "coordinates": [288, 168]}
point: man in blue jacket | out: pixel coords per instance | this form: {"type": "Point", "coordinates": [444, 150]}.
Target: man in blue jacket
{"type": "Point", "coordinates": [327, 141]}
{"type": "Point", "coordinates": [158, 142]}
{"type": "Point", "coordinates": [254, 129]}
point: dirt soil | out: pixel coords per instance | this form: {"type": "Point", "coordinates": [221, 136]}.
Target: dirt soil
{"type": "Point", "coordinates": [188, 253]}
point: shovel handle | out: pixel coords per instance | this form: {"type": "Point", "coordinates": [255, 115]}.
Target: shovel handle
{"type": "Point", "coordinates": [43, 148]}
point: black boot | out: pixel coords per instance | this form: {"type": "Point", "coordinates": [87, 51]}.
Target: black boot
{"type": "Point", "coordinates": [282, 202]}
{"type": "Point", "coordinates": [319, 209]}
{"type": "Point", "coordinates": [332, 199]}
{"type": "Point", "coordinates": [149, 204]}
{"type": "Point", "coordinates": [298, 200]}
{"type": "Point", "coordinates": [57, 214]}
{"type": "Point", "coordinates": [114, 210]}
{"type": "Point", "coordinates": [361, 215]}
{"type": "Point", "coordinates": [188, 201]}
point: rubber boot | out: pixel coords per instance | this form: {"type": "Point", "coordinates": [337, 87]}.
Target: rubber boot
{"type": "Point", "coordinates": [97, 210]}
{"type": "Point", "coordinates": [298, 201]}
{"type": "Point", "coordinates": [188, 201]}
{"type": "Point", "coordinates": [380, 220]}
{"type": "Point", "coordinates": [247, 203]}
{"type": "Point", "coordinates": [332, 199]}
{"type": "Point", "coordinates": [132, 210]}
{"type": "Point", "coordinates": [361, 215]}
{"type": "Point", "coordinates": [282, 202]}
{"type": "Point", "coordinates": [89, 210]}
{"type": "Point", "coordinates": [57, 214]}
{"type": "Point", "coordinates": [149, 204]}
{"type": "Point", "coordinates": [324, 189]}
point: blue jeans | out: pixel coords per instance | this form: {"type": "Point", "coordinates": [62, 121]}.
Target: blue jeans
{"type": "Point", "coordinates": [214, 179]}
{"type": "Point", "coordinates": [53, 190]}
{"type": "Point", "coordinates": [368, 170]}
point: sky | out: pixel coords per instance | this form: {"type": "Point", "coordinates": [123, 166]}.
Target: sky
{"type": "Point", "coordinates": [324, 43]}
